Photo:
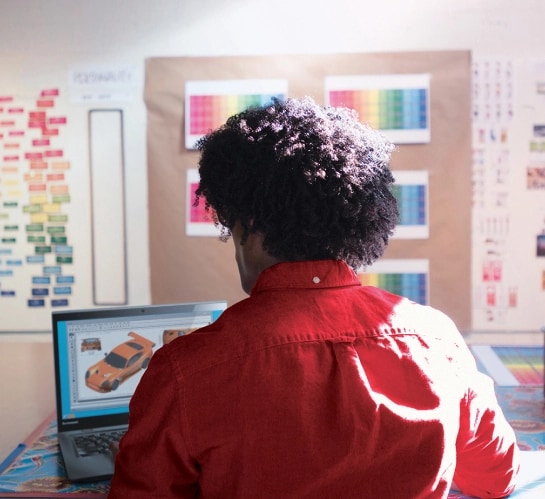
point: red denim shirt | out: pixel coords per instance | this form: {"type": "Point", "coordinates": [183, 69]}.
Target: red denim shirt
{"type": "Point", "coordinates": [316, 387]}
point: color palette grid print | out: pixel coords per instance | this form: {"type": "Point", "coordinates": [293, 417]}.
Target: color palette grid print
{"type": "Point", "coordinates": [199, 222]}
{"type": "Point", "coordinates": [412, 286]}
{"type": "Point", "coordinates": [390, 109]}
{"type": "Point", "coordinates": [411, 193]}
{"type": "Point", "coordinates": [209, 103]}
{"type": "Point", "coordinates": [511, 365]}
{"type": "Point", "coordinates": [396, 104]}
{"type": "Point", "coordinates": [207, 112]}
{"type": "Point", "coordinates": [411, 200]}
{"type": "Point", "coordinates": [525, 363]}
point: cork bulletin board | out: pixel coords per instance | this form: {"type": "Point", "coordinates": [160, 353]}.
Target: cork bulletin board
{"type": "Point", "coordinates": [196, 267]}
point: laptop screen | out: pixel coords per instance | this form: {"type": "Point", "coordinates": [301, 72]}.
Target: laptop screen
{"type": "Point", "coordinates": [101, 354]}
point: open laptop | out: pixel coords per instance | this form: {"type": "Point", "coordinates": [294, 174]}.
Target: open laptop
{"type": "Point", "coordinates": [100, 356]}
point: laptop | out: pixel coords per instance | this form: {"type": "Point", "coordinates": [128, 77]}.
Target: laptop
{"type": "Point", "coordinates": [100, 356]}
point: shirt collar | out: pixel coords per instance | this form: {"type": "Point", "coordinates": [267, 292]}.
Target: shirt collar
{"type": "Point", "coordinates": [310, 274]}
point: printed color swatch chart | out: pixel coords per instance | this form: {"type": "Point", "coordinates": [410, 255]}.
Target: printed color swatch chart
{"type": "Point", "coordinates": [395, 104]}
{"type": "Point", "coordinates": [407, 278]}
{"type": "Point", "coordinates": [525, 363]}
{"type": "Point", "coordinates": [411, 200]}
{"type": "Point", "coordinates": [208, 104]}
{"type": "Point", "coordinates": [411, 192]}
{"type": "Point", "coordinates": [413, 286]}
{"type": "Point", "coordinates": [198, 221]}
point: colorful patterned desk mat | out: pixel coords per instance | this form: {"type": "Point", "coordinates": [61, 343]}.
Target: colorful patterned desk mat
{"type": "Point", "coordinates": [35, 469]}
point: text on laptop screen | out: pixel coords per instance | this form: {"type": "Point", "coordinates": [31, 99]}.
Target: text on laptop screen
{"type": "Point", "coordinates": [101, 360]}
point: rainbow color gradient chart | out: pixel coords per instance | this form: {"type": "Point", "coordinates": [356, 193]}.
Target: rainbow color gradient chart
{"type": "Point", "coordinates": [407, 278]}
{"type": "Point", "coordinates": [209, 103]}
{"type": "Point", "coordinates": [525, 363]}
{"type": "Point", "coordinates": [511, 365]}
{"type": "Point", "coordinates": [411, 192]}
{"type": "Point", "coordinates": [396, 104]}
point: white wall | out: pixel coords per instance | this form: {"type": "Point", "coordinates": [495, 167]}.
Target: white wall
{"type": "Point", "coordinates": [41, 41]}
{"type": "Point", "coordinates": [98, 30]}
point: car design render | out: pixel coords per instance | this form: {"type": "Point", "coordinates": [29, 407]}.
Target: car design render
{"type": "Point", "coordinates": [90, 344]}
{"type": "Point", "coordinates": [171, 334]}
{"type": "Point", "coordinates": [121, 363]}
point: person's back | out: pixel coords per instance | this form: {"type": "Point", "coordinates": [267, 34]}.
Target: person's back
{"type": "Point", "coordinates": [277, 399]}
{"type": "Point", "coordinates": [314, 386]}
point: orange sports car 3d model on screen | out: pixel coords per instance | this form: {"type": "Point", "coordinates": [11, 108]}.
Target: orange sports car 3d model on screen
{"type": "Point", "coordinates": [122, 362]}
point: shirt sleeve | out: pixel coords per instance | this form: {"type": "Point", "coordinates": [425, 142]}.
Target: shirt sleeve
{"type": "Point", "coordinates": [153, 460]}
{"type": "Point", "coordinates": [487, 452]}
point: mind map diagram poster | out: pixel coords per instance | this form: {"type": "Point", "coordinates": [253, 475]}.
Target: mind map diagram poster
{"type": "Point", "coordinates": [36, 255]}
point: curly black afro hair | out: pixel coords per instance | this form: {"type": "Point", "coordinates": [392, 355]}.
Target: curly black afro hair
{"type": "Point", "coordinates": [313, 180]}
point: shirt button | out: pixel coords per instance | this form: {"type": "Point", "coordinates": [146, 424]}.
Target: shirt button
{"type": "Point", "coordinates": [315, 279]}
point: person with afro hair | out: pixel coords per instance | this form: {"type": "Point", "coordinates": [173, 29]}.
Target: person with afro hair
{"type": "Point", "coordinates": [314, 182]}
{"type": "Point", "coordinates": [314, 386]}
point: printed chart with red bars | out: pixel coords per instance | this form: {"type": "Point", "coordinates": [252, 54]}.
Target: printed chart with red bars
{"type": "Point", "coordinates": [396, 104]}
{"type": "Point", "coordinates": [208, 103]}
{"type": "Point", "coordinates": [407, 278]}
{"type": "Point", "coordinates": [411, 192]}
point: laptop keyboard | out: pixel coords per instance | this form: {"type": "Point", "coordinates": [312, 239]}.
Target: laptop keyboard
{"type": "Point", "coordinates": [96, 443]}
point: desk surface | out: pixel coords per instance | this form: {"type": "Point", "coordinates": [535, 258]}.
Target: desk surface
{"type": "Point", "coordinates": [27, 384]}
